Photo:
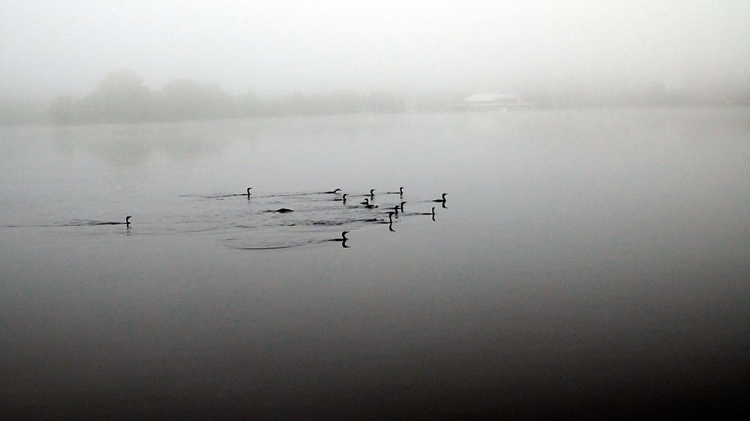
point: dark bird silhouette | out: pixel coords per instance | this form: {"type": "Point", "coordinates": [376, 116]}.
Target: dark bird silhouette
{"type": "Point", "coordinates": [341, 199]}
{"type": "Point", "coordinates": [380, 220]}
{"type": "Point", "coordinates": [372, 193]}
{"type": "Point", "coordinates": [402, 206]}
{"type": "Point", "coordinates": [400, 191]}
{"type": "Point", "coordinates": [343, 239]}
{"type": "Point", "coordinates": [432, 214]}
{"type": "Point", "coordinates": [429, 213]}
{"type": "Point", "coordinates": [281, 210]}
{"type": "Point", "coordinates": [368, 205]}
{"type": "Point", "coordinates": [441, 200]}
{"type": "Point", "coordinates": [248, 192]}
{"type": "Point", "coordinates": [334, 191]}
{"type": "Point", "coordinates": [92, 223]}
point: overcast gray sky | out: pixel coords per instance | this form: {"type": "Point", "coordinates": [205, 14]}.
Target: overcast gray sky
{"type": "Point", "coordinates": [49, 48]}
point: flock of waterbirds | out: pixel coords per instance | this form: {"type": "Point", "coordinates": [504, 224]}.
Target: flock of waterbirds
{"type": "Point", "coordinates": [321, 209]}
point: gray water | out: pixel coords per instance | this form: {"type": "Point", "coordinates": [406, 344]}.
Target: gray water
{"type": "Point", "coordinates": [587, 264]}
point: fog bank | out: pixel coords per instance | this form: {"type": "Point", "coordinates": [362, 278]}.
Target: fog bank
{"type": "Point", "coordinates": [267, 49]}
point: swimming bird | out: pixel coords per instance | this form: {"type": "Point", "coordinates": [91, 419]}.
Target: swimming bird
{"type": "Point", "coordinates": [343, 239]}
{"type": "Point", "coordinates": [334, 191]}
{"type": "Point", "coordinates": [372, 193]}
{"type": "Point", "coordinates": [281, 210]}
{"type": "Point", "coordinates": [248, 192]}
{"type": "Point", "coordinates": [94, 223]}
{"type": "Point", "coordinates": [395, 211]}
{"type": "Point", "coordinates": [340, 199]}
{"type": "Point", "coordinates": [428, 213]}
{"type": "Point", "coordinates": [389, 221]}
{"type": "Point", "coordinates": [441, 200]}
{"type": "Point", "coordinates": [402, 206]}
{"type": "Point", "coordinates": [368, 205]}
{"type": "Point", "coordinates": [400, 191]}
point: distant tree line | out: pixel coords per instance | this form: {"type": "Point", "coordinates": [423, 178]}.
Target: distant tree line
{"type": "Point", "coordinates": [13, 112]}
{"type": "Point", "coordinates": [123, 97]}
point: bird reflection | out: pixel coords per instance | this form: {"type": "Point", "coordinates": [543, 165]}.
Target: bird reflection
{"type": "Point", "coordinates": [442, 200]}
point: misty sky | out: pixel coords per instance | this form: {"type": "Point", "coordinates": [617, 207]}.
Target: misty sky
{"type": "Point", "coordinates": [49, 48]}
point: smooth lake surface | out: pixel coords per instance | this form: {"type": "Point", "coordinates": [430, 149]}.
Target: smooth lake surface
{"type": "Point", "coordinates": [587, 264]}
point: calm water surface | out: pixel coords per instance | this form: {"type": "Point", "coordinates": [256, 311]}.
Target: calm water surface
{"type": "Point", "coordinates": [586, 265]}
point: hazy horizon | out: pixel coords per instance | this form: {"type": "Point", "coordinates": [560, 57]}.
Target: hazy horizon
{"type": "Point", "coordinates": [68, 47]}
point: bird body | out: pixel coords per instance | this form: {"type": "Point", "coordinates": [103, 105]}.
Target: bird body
{"type": "Point", "coordinates": [400, 191]}
{"type": "Point", "coordinates": [343, 236]}
{"type": "Point", "coordinates": [341, 199]}
{"type": "Point", "coordinates": [441, 200]}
